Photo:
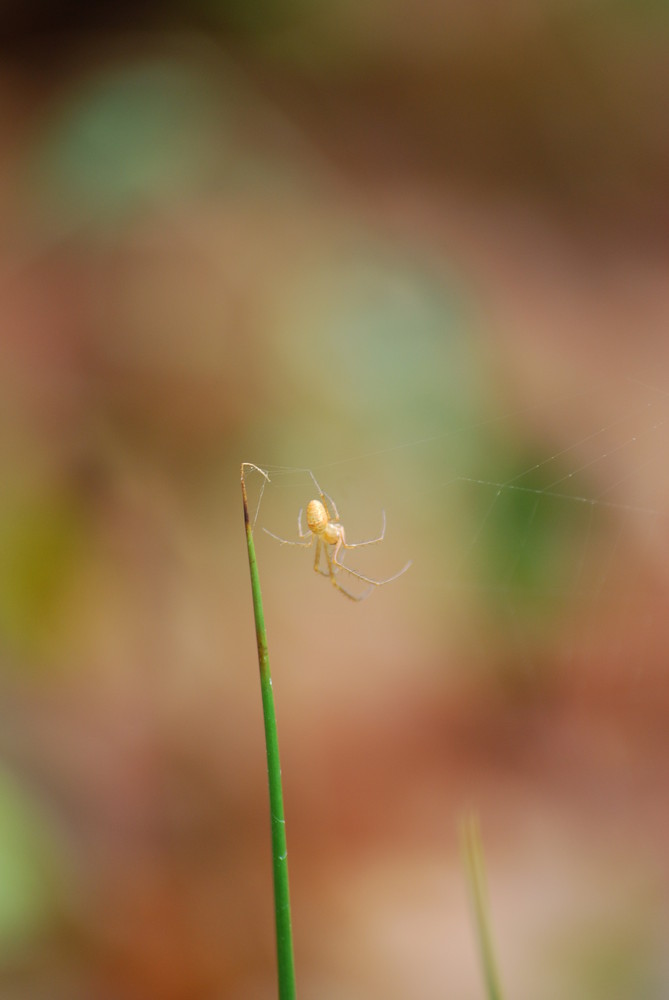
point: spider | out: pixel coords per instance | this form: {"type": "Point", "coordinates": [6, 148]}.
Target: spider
{"type": "Point", "coordinates": [324, 525]}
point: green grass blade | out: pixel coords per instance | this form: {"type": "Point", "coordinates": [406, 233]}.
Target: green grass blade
{"type": "Point", "coordinates": [284, 935]}
{"type": "Point", "coordinates": [472, 850]}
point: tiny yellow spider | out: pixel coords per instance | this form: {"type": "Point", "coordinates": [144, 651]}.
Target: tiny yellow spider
{"type": "Point", "coordinates": [324, 525]}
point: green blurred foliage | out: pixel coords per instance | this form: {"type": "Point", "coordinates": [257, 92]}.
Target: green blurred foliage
{"type": "Point", "coordinates": [26, 873]}
{"type": "Point", "coordinates": [41, 545]}
{"type": "Point", "coordinates": [531, 543]}
{"type": "Point", "coordinates": [136, 134]}
{"type": "Point", "coordinates": [379, 353]}
{"type": "Point", "coordinates": [613, 960]}
{"type": "Point", "coordinates": [252, 18]}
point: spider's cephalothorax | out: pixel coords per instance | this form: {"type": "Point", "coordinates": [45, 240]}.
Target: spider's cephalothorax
{"type": "Point", "coordinates": [324, 526]}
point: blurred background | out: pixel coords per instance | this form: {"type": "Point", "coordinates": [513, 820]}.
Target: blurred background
{"type": "Point", "coordinates": [421, 250]}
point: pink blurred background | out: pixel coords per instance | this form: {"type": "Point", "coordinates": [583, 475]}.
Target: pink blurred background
{"type": "Point", "coordinates": [420, 249]}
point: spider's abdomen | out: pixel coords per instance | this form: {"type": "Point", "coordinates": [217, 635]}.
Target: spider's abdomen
{"type": "Point", "coordinates": [317, 517]}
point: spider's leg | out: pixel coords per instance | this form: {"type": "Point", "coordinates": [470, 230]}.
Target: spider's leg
{"type": "Point", "coordinates": [332, 568]}
{"type": "Point", "coordinates": [347, 593]}
{"type": "Point", "coordinates": [302, 534]}
{"type": "Point", "coordinates": [326, 499]}
{"type": "Point", "coordinates": [317, 557]}
{"type": "Point", "coordinates": [361, 576]}
{"type": "Point", "coordinates": [325, 552]}
{"type": "Point", "coordinates": [369, 541]}
{"type": "Point", "coordinates": [322, 550]}
{"type": "Point", "coordinates": [287, 541]}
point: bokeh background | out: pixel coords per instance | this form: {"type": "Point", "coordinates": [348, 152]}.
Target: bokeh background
{"type": "Point", "coordinates": [420, 249]}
